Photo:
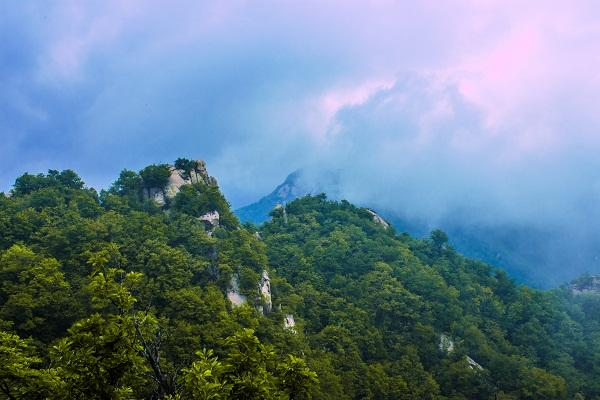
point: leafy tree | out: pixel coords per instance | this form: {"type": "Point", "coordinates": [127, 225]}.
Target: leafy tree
{"type": "Point", "coordinates": [142, 287]}
{"type": "Point", "coordinates": [100, 359]}
{"type": "Point", "coordinates": [155, 176]}
{"type": "Point", "coordinates": [206, 378]}
{"type": "Point", "coordinates": [101, 356]}
{"type": "Point", "coordinates": [34, 295]}
{"type": "Point", "coordinates": [187, 166]}
{"type": "Point", "coordinates": [539, 384]}
{"type": "Point", "coordinates": [295, 377]}
{"type": "Point", "coordinates": [19, 379]}
{"type": "Point", "coordinates": [27, 183]}
{"type": "Point", "coordinates": [129, 182]}
{"type": "Point", "coordinates": [250, 371]}
{"type": "Point", "coordinates": [439, 241]}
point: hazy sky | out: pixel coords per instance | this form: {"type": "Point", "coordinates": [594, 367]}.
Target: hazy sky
{"type": "Point", "coordinates": [489, 106]}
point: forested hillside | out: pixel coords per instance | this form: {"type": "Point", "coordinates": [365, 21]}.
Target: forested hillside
{"type": "Point", "coordinates": [153, 290]}
{"type": "Point", "coordinates": [531, 253]}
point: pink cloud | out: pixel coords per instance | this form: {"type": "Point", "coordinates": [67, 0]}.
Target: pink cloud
{"type": "Point", "coordinates": [509, 71]}
{"type": "Point", "coordinates": [322, 121]}
{"type": "Point", "coordinates": [529, 69]}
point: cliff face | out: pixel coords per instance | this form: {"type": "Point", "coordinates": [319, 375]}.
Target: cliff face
{"type": "Point", "coordinates": [264, 289]}
{"type": "Point", "coordinates": [377, 218]}
{"type": "Point", "coordinates": [264, 293]}
{"type": "Point", "coordinates": [233, 292]}
{"type": "Point", "coordinates": [196, 173]}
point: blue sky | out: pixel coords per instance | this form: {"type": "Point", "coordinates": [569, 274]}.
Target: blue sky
{"type": "Point", "coordinates": [484, 105]}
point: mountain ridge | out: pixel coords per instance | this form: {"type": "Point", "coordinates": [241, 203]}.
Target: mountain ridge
{"type": "Point", "coordinates": [529, 253]}
{"type": "Point", "coordinates": [116, 295]}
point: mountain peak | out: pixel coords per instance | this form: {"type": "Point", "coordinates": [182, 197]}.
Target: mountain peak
{"type": "Point", "coordinates": [183, 172]}
{"type": "Point", "coordinates": [299, 183]}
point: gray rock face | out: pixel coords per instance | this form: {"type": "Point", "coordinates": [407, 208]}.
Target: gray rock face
{"type": "Point", "coordinates": [200, 174]}
{"type": "Point", "coordinates": [264, 290]}
{"type": "Point", "coordinates": [157, 195]}
{"type": "Point", "coordinates": [377, 218]}
{"type": "Point", "coordinates": [233, 292]}
{"type": "Point", "coordinates": [211, 220]}
{"type": "Point", "coordinates": [473, 364]}
{"type": "Point", "coordinates": [446, 344]}
{"type": "Point", "coordinates": [289, 323]}
{"type": "Point", "coordinates": [178, 178]}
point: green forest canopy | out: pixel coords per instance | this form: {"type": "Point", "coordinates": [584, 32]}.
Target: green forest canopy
{"type": "Point", "coordinates": [111, 296]}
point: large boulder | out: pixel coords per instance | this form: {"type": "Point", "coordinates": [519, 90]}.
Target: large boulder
{"type": "Point", "coordinates": [180, 177]}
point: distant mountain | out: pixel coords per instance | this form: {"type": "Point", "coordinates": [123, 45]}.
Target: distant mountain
{"type": "Point", "coordinates": [531, 255]}
{"type": "Point", "coordinates": [297, 184]}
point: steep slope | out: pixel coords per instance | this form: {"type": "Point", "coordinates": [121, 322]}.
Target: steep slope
{"type": "Point", "coordinates": [116, 292]}
{"type": "Point", "coordinates": [373, 299]}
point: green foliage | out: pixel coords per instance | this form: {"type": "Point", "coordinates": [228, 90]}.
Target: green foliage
{"type": "Point", "coordinates": [295, 378]}
{"type": "Point", "coordinates": [113, 296]}
{"type": "Point", "coordinates": [250, 371]}
{"type": "Point", "coordinates": [371, 299]}
{"type": "Point", "coordinates": [27, 183]}
{"type": "Point", "coordinates": [129, 182]}
{"type": "Point", "coordinates": [32, 291]}
{"type": "Point", "coordinates": [100, 359]}
{"type": "Point", "coordinates": [200, 198]}
{"type": "Point", "coordinates": [155, 176]}
{"type": "Point", "coordinates": [19, 379]}
{"type": "Point", "coordinates": [187, 166]}
{"type": "Point", "coordinates": [206, 378]}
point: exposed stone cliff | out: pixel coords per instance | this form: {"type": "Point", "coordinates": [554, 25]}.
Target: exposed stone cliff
{"type": "Point", "coordinates": [197, 173]}
{"type": "Point", "coordinates": [377, 218]}
{"type": "Point", "coordinates": [264, 289]}
{"type": "Point", "coordinates": [233, 292]}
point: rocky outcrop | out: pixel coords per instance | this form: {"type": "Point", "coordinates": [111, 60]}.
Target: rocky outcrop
{"type": "Point", "coordinates": [264, 293]}
{"type": "Point", "coordinates": [473, 364]}
{"type": "Point", "coordinates": [446, 344]}
{"type": "Point", "coordinates": [211, 220]}
{"type": "Point", "coordinates": [157, 195]}
{"type": "Point", "coordinates": [264, 290]}
{"type": "Point", "coordinates": [378, 219]}
{"type": "Point", "coordinates": [200, 174]}
{"type": "Point", "coordinates": [288, 323]}
{"type": "Point", "coordinates": [233, 292]}
{"type": "Point", "coordinates": [180, 177]}
{"type": "Point", "coordinates": [281, 207]}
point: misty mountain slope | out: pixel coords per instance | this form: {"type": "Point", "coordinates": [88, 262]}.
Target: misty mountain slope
{"type": "Point", "coordinates": [539, 257]}
{"type": "Point", "coordinates": [359, 279]}
{"type": "Point", "coordinates": [258, 212]}
{"type": "Point", "coordinates": [297, 184]}
{"type": "Point", "coordinates": [153, 290]}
